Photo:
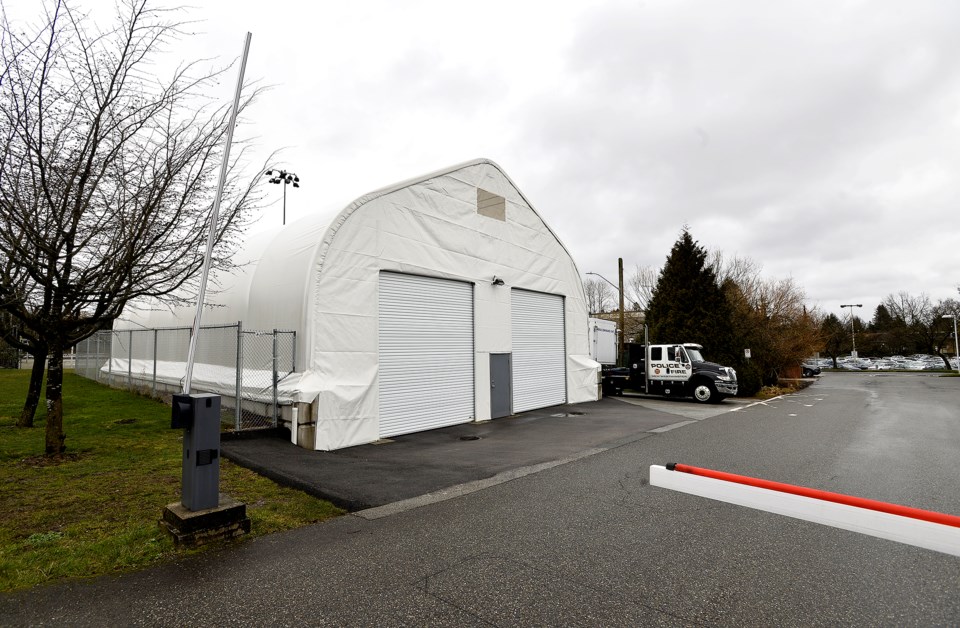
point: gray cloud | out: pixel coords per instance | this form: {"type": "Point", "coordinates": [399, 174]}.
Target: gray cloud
{"type": "Point", "coordinates": [803, 137]}
{"type": "Point", "coordinates": [817, 138]}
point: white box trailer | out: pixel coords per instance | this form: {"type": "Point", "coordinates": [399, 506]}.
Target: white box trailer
{"type": "Point", "coordinates": [603, 341]}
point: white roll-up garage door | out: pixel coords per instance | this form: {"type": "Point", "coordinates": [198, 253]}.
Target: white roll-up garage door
{"type": "Point", "coordinates": [539, 350]}
{"type": "Point", "coordinates": [426, 353]}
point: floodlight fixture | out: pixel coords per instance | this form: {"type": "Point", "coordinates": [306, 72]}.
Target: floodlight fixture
{"type": "Point", "coordinates": [286, 178]}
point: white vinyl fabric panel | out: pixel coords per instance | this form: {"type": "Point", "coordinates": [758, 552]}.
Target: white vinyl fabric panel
{"type": "Point", "coordinates": [539, 351]}
{"type": "Point", "coordinates": [426, 353]}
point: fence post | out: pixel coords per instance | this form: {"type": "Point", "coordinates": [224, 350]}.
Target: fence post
{"type": "Point", "coordinates": [238, 401]}
{"type": "Point", "coordinates": [275, 377]}
{"type": "Point", "coordinates": [130, 362]}
{"type": "Point", "coordinates": [155, 331]}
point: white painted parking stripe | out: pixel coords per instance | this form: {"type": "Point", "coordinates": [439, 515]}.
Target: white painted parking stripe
{"type": "Point", "coordinates": [667, 428]}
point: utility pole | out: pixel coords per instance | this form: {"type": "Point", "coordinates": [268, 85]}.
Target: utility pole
{"type": "Point", "coordinates": [621, 359]}
{"type": "Point", "coordinates": [623, 332]}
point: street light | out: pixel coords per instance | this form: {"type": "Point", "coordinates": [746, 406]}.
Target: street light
{"type": "Point", "coordinates": [853, 329]}
{"type": "Point", "coordinates": [286, 178]}
{"type": "Point", "coordinates": [956, 349]}
{"type": "Point", "coordinates": [605, 279]}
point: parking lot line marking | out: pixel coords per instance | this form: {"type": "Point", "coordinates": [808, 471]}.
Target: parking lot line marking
{"type": "Point", "coordinates": [672, 426]}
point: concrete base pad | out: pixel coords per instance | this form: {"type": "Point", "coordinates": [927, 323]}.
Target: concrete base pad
{"type": "Point", "coordinates": [187, 527]}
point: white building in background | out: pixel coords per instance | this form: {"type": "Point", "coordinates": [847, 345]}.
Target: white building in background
{"type": "Point", "coordinates": [441, 300]}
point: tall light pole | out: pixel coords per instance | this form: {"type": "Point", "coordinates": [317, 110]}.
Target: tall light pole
{"type": "Point", "coordinates": [853, 329]}
{"type": "Point", "coordinates": [956, 348]}
{"type": "Point", "coordinates": [620, 346]}
{"type": "Point", "coordinates": [286, 178]}
{"type": "Point", "coordinates": [623, 326]}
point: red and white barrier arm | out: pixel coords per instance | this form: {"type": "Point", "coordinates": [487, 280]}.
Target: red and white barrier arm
{"type": "Point", "coordinates": [922, 528]}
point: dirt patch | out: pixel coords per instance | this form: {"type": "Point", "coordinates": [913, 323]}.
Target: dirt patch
{"type": "Point", "coordinates": [36, 462]}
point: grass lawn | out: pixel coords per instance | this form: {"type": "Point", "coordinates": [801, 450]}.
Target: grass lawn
{"type": "Point", "coordinates": [95, 510]}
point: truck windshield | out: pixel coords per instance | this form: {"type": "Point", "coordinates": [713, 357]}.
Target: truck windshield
{"type": "Point", "coordinates": [694, 354]}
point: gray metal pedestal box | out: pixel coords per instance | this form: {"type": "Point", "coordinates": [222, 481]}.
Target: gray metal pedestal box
{"type": "Point", "coordinates": [199, 416]}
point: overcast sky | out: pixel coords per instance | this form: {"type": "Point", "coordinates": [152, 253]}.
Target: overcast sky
{"type": "Point", "coordinates": [820, 139]}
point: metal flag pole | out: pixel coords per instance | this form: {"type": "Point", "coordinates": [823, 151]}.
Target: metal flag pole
{"type": "Point", "coordinates": [214, 218]}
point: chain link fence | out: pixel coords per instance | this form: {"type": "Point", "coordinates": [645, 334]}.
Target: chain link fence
{"type": "Point", "coordinates": [234, 363]}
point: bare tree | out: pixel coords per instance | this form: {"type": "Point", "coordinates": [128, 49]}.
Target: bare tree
{"type": "Point", "coordinates": [918, 323]}
{"type": "Point", "coordinates": [908, 308]}
{"type": "Point", "coordinates": [107, 176]}
{"type": "Point", "coordinates": [742, 271]}
{"type": "Point", "coordinates": [640, 285]}
{"type": "Point", "coordinates": [771, 317]}
{"type": "Point", "coordinates": [599, 295]}
{"type": "Point", "coordinates": [792, 331]}
{"type": "Point", "coordinates": [912, 321]}
{"type": "Point", "coordinates": [19, 339]}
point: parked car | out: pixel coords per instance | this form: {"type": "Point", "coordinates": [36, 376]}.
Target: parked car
{"type": "Point", "coordinates": [809, 370]}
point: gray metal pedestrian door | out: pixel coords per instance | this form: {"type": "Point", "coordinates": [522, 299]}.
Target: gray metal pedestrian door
{"type": "Point", "coordinates": [426, 374]}
{"type": "Point", "coordinates": [539, 350]}
{"type": "Point", "coordinates": [501, 393]}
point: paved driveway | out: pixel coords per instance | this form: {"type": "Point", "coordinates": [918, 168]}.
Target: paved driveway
{"type": "Point", "coordinates": [477, 454]}
{"type": "Point", "coordinates": [591, 543]}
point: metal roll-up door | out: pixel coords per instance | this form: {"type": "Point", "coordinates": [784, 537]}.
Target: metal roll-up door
{"type": "Point", "coordinates": [539, 350]}
{"type": "Point", "coordinates": [426, 353]}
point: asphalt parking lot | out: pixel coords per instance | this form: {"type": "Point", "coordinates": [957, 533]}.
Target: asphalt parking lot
{"type": "Point", "coordinates": [474, 454]}
{"type": "Point", "coordinates": [592, 542]}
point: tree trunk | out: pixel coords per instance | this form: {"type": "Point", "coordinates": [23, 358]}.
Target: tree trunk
{"type": "Point", "coordinates": [36, 385]}
{"type": "Point", "coordinates": [55, 436]}
{"type": "Point", "coordinates": [946, 360]}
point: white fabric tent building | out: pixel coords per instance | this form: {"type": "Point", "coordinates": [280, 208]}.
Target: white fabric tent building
{"type": "Point", "coordinates": [440, 300]}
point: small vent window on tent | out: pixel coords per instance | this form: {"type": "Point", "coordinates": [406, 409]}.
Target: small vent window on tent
{"type": "Point", "coordinates": [491, 205]}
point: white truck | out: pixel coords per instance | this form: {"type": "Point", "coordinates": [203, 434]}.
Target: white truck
{"type": "Point", "coordinates": [679, 370]}
{"type": "Point", "coordinates": [603, 348]}
{"type": "Point", "coordinates": [669, 370]}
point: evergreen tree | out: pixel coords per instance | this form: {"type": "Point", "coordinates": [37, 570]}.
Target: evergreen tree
{"type": "Point", "coordinates": [879, 336]}
{"type": "Point", "coordinates": [688, 304]}
{"type": "Point", "coordinates": [834, 335]}
{"type": "Point", "coordinates": [746, 333]}
{"type": "Point", "coordinates": [882, 320]}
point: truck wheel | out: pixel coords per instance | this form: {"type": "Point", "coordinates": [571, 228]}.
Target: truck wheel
{"type": "Point", "coordinates": [704, 392]}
